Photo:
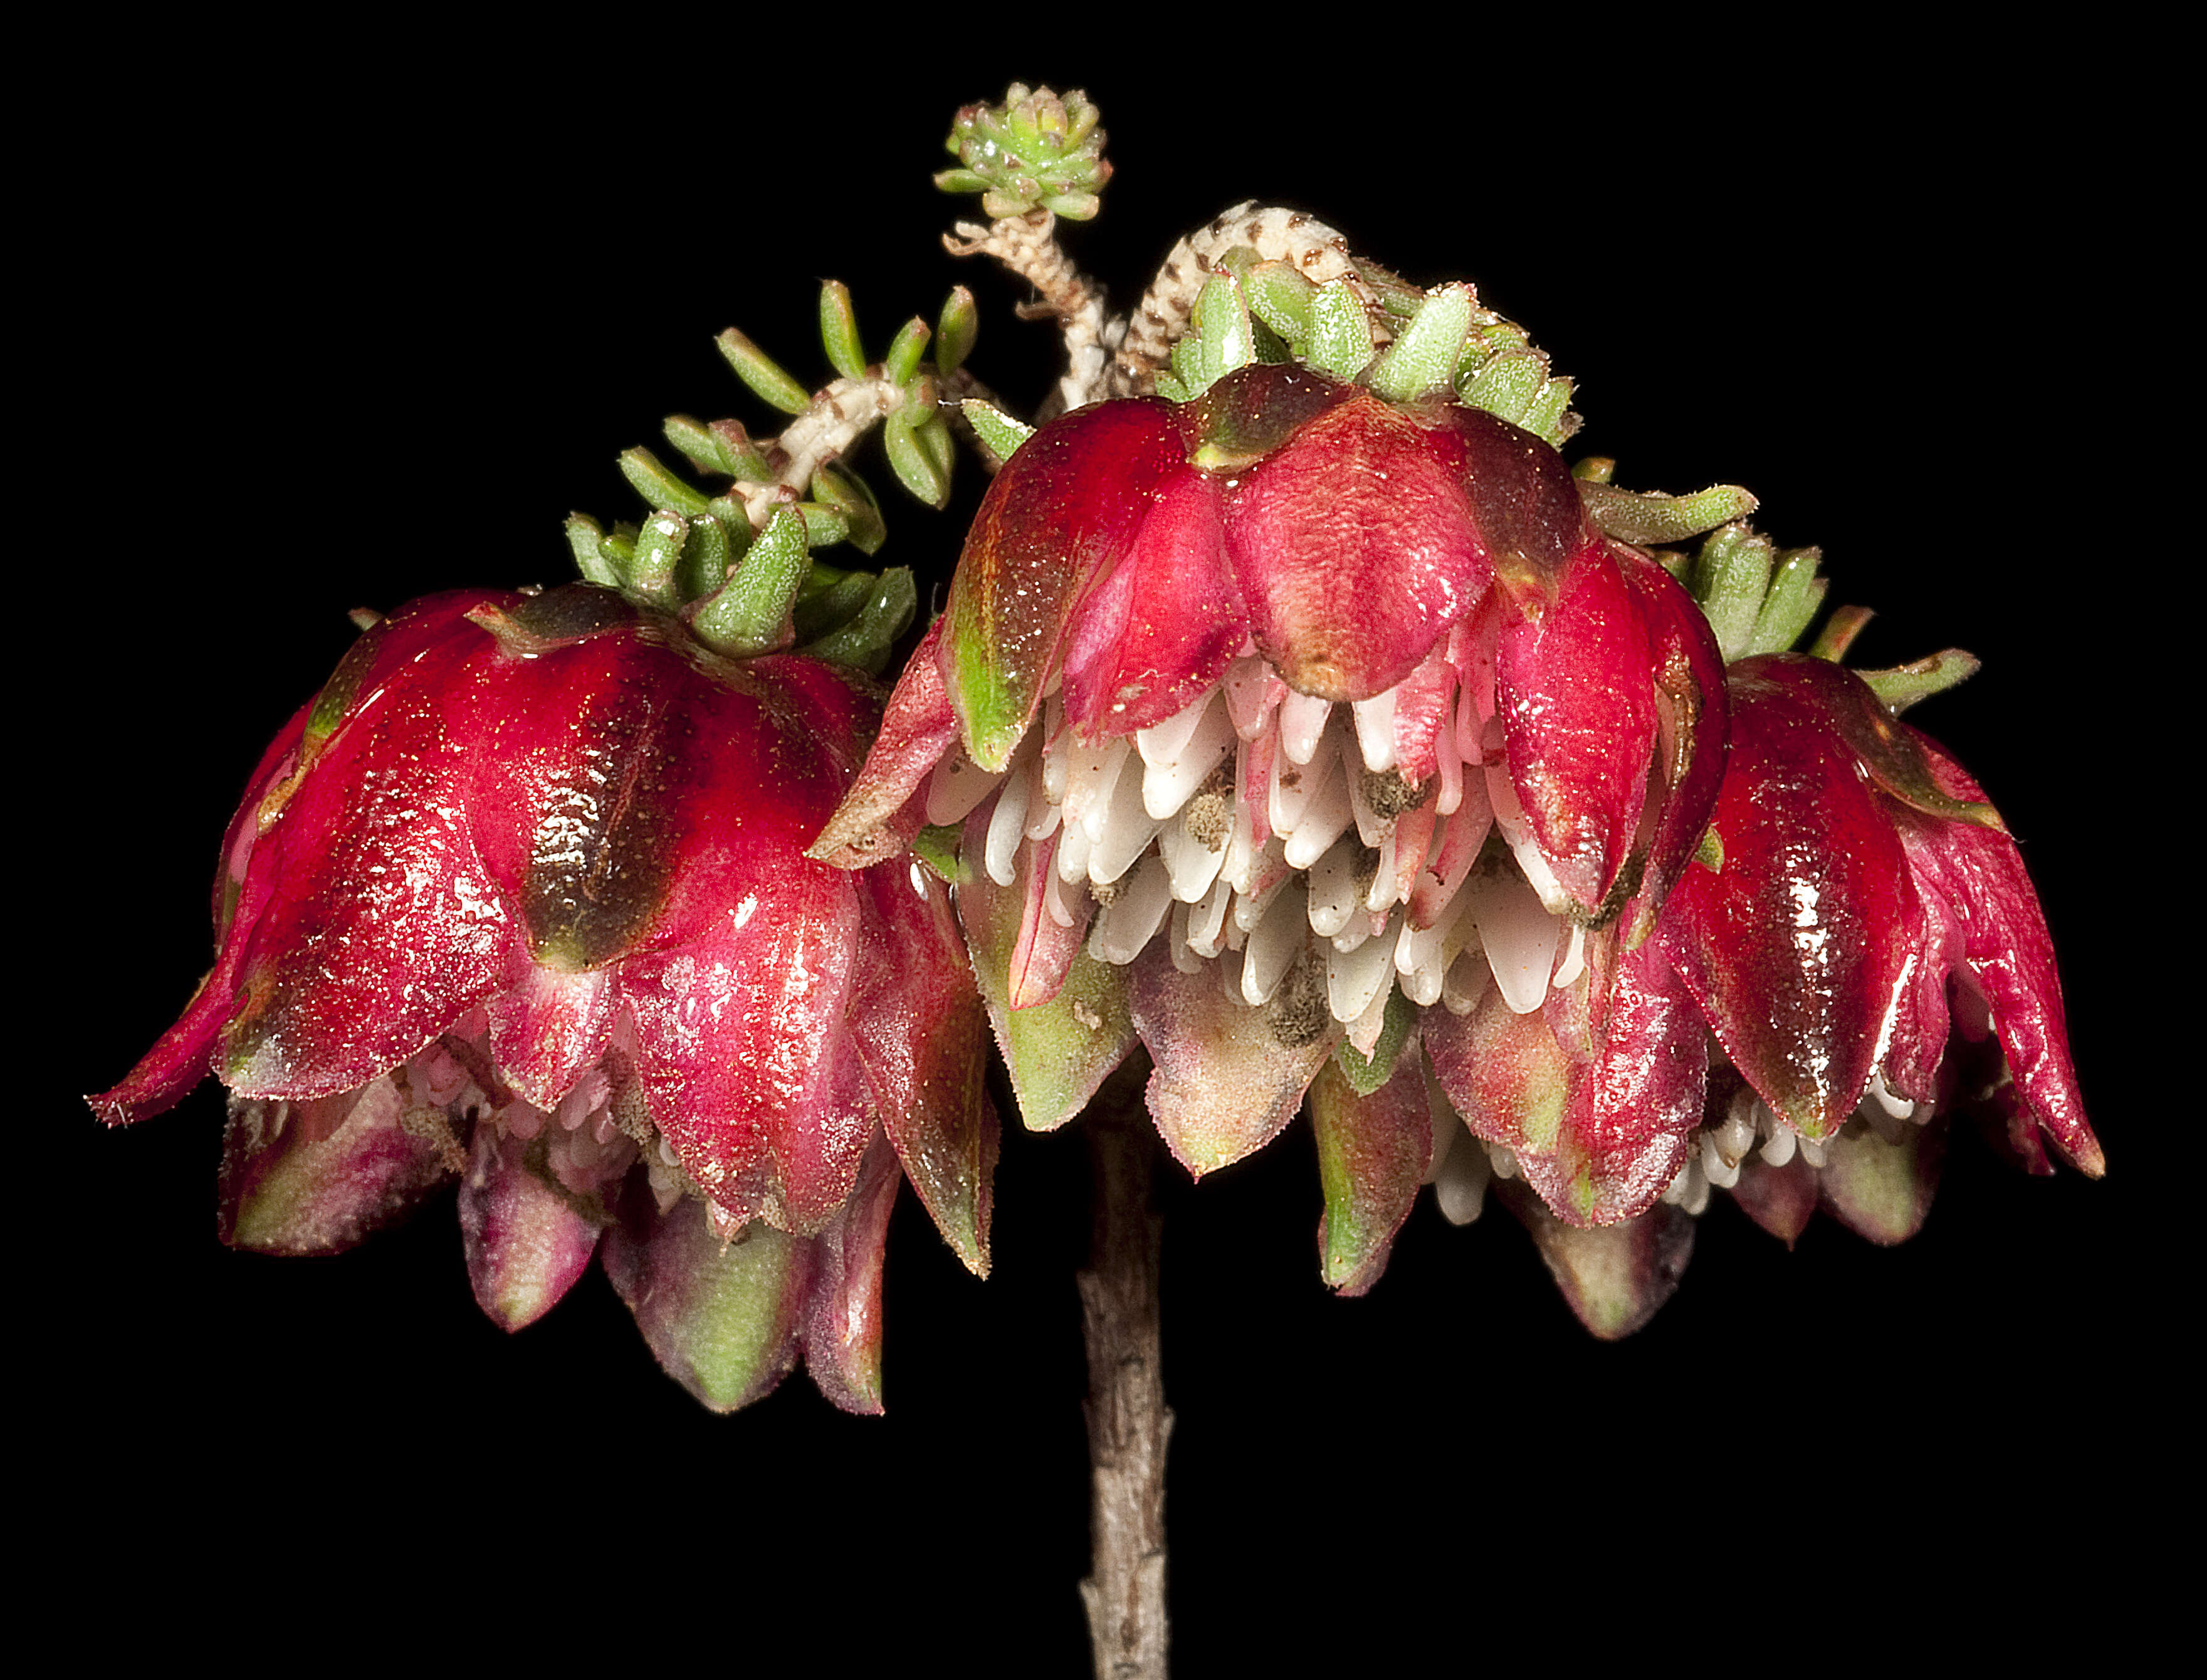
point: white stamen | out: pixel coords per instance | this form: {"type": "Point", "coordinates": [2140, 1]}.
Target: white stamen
{"type": "Point", "coordinates": [1813, 1151]}
{"type": "Point", "coordinates": [1721, 1172]}
{"type": "Point", "coordinates": [1275, 942]}
{"type": "Point", "coordinates": [1053, 899]}
{"type": "Point", "coordinates": [1207, 921]}
{"type": "Point", "coordinates": [1385, 878]}
{"type": "Point", "coordinates": [1302, 721]}
{"type": "Point", "coordinates": [1056, 748]}
{"type": "Point", "coordinates": [1898, 1107]}
{"type": "Point", "coordinates": [1451, 767]}
{"type": "Point", "coordinates": [1460, 1186]}
{"type": "Point", "coordinates": [1247, 690]}
{"type": "Point", "coordinates": [1520, 936]}
{"type": "Point", "coordinates": [1192, 865]}
{"type": "Point", "coordinates": [1375, 730]}
{"type": "Point", "coordinates": [1132, 920]}
{"type": "Point", "coordinates": [1574, 962]}
{"type": "Point", "coordinates": [1073, 847]}
{"type": "Point", "coordinates": [956, 787]}
{"type": "Point", "coordinates": [1469, 978]}
{"type": "Point", "coordinates": [1091, 780]}
{"type": "Point", "coordinates": [1008, 824]}
{"type": "Point", "coordinates": [1123, 834]}
{"type": "Point", "coordinates": [1354, 978]}
{"type": "Point", "coordinates": [1780, 1150]}
{"type": "Point", "coordinates": [1176, 760]}
{"type": "Point", "coordinates": [1324, 816]}
{"type": "Point", "coordinates": [1187, 960]}
{"type": "Point", "coordinates": [1333, 891]}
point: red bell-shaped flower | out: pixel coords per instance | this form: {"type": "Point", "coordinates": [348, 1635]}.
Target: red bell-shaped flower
{"type": "Point", "coordinates": [520, 899]}
{"type": "Point", "coordinates": [1339, 700]}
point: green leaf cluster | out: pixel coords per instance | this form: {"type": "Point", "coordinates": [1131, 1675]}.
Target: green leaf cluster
{"type": "Point", "coordinates": [1032, 151]}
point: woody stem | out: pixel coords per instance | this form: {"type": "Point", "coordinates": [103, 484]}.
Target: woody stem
{"type": "Point", "coordinates": [1128, 1424]}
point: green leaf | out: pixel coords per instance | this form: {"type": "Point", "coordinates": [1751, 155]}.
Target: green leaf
{"type": "Point", "coordinates": [999, 433]}
{"type": "Point", "coordinates": [766, 377]}
{"type": "Point", "coordinates": [1795, 595]}
{"type": "Point", "coordinates": [706, 558]}
{"type": "Point", "coordinates": [1340, 336]}
{"type": "Point", "coordinates": [902, 362]}
{"type": "Point", "coordinates": [863, 640]}
{"type": "Point", "coordinates": [955, 330]}
{"type": "Point", "coordinates": [658, 487]}
{"type": "Point", "coordinates": [1729, 579]}
{"type": "Point", "coordinates": [659, 543]}
{"type": "Point", "coordinates": [1903, 685]}
{"type": "Point", "coordinates": [838, 330]}
{"type": "Point", "coordinates": [1424, 356]}
{"type": "Point", "coordinates": [748, 614]}
{"type": "Point", "coordinates": [1648, 516]}
{"type": "Point", "coordinates": [586, 538]}
{"type": "Point", "coordinates": [847, 493]}
{"type": "Point", "coordinates": [914, 464]}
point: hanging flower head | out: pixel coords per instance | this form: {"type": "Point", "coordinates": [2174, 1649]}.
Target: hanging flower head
{"type": "Point", "coordinates": [520, 900]}
{"type": "Point", "coordinates": [1311, 724]}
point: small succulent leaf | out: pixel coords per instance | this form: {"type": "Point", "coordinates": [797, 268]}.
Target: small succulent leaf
{"type": "Point", "coordinates": [1795, 593]}
{"type": "Point", "coordinates": [765, 378]}
{"type": "Point", "coordinates": [901, 365]}
{"type": "Point", "coordinates": [657, 558]}
{"type": "Point", "coordinates": [1903, 685]}
{"type": "Point", "coordinates": [722, 1318]}
{"type": "Point", "coordinates": [1839, 631]}
{"type": "Point", "coordinates": [1280, 296]}
{"type": "Point", "coordinates": [999, 434]}
{"type": "Point", "coordinates": [1615, 1277]}
{"type": "Point", "coordinates": [585, 540]}
{"type": "Point", "coordinates": [750, 613]}
{"type": "Point", "coordinates": [863, 640]}
{"type": "Point", "coordinates": [1423, 357]}
{"type": "Point", "coordinates": [1731, 577]}
{"type": "Point", "coordinates": [838, 330]}
{"type": "Point", "coordinates": [316, 1177]}
{"type": "Point", "coordinates": [1651, 518]}
{"type": "Point", "coordinates": [1881, 1191]}
{"type": "Point", "coordinates": [1340, 342]}
{"type": "Point", "coordinates": [848, 495]}
{"type": "Point", "coordinates": [914, 465]}
{"type": "Point", "coordinates": [1507, 385]}
{"type": "Point", "coordinates": [661, 487]}
{"type": "Point", "coordinates": [1372, 1152]}
{"type": "Point", "coordinates": [1227, 1078]}
{"type": "Point", "coordinates": [956, 330]}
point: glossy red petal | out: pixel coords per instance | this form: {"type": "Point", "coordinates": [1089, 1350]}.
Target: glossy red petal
{"type": "Point", "coordinates": [1355, 548]}
{"type": "Point", "coordinates": [382, 925]}
{"type": "Point", "coordinates": [549, 1028]}
{"type": "Point", "coordinates": [887, 805]}
{"type": "Point", "coordinates": [1064, 510]}
{"type": "Point", "coordinates": [918, 1024]}
{"type": "Point", "coordinates": [1161, 624]}
{"type": "Point", "coordinates": [1797, 941]}
{"type": "Point", "coordinates": [1693, 719]}
{"type": "Point", "coordinates": [1575, 690]}
{"type": "Point", "coordinates": [1524, 501]}
{"type": "Point", "coordinates": [1977, 874]}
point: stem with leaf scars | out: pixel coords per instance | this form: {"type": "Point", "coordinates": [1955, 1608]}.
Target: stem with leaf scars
{"type": "Point", "coordinates": [1128, 1425]}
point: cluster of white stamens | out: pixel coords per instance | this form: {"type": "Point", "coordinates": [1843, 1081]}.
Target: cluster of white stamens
{"type": "Point", "coordinates": [1258, 823]}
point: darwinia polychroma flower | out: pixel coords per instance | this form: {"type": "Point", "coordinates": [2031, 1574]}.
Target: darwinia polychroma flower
{"type": "Point", "coordinates": [519, 901]}
{"type": "Point", "coordinates": [1313, 727]}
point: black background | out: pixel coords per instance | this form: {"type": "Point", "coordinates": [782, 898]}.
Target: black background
{"type": "Point", "coordinates": [348, 319]}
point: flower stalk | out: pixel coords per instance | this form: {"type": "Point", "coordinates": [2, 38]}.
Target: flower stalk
{"type": "Point", "coordinates": [1128, 1423]}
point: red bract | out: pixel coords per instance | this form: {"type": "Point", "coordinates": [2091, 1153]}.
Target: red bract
{"type": "Point", "coordinates": [520, 899]}
{"type": "Point", "coordinates": [1339, 699]}
{"type": "Point", "coordinates": [1857, 905]}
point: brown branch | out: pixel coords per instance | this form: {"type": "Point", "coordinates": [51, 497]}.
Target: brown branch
{"type": "Point", "coordinates": [1127, 1422]}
